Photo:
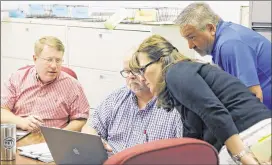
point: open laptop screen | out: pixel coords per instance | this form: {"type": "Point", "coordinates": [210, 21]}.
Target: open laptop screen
{"type": "Point", "coordinates": [69, 147]}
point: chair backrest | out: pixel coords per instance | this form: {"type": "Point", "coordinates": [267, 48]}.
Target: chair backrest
{"type": "Point", "coordinates": [179, 151]}
{"type": "Point", "coordinates": [63, 68]}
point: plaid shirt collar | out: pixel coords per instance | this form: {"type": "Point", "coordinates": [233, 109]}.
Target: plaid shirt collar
{"type": "Point", "coordinates": [37, 78]}
{"type": "Point", "coordinates": [148, 105]}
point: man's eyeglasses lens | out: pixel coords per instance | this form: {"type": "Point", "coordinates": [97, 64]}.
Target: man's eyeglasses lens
{"type": "Point", "coordinates": [125, 73]}
{"type": "Point", "coordinates": [50, 60]}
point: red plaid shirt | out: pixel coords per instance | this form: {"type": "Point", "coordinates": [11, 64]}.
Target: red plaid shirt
{"type": "Point", "coordinates": [56, 103]}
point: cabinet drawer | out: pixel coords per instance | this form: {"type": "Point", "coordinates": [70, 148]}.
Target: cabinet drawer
{"type": "Point", "coordinates": [18, 39]}
{"type": "Point", "coordinates": [98, 84]}
{"type": "Point", "coordinates": [172, 34]}
{"type": "Point", "coordinates": [100, 48]}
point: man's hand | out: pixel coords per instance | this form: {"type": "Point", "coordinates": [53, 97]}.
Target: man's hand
{"type": "Point", "coordinates": [106, 145]}
{"type": "Point", "coordinates": [89, 130]}
{"type": "Point", "coordinates": [31, 123]}
{"type": "Point", "coordinates": [257, 91]}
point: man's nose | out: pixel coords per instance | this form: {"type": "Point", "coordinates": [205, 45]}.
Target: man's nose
{"type": "Point", "coordinates": [54, 64]}
{"type": "Point", "coordinates": [191, 44]}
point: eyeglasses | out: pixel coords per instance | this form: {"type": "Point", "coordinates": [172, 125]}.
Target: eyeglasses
{"type": "Point", "coordinates": [125, 73]}
{"type": "Point", "coordinates": [50, 60]}
{"type": "Point", "coordinates": [141, 70]}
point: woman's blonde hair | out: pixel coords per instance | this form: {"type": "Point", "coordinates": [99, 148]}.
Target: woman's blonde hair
{"type": "Point", "coordinates": [156, 47]}
{"type": "Point", "coordinates": [51, 41]}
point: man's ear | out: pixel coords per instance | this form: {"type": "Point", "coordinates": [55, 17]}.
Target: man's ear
{"type": "Point", "coordinates": [34, 57]}
{"type": "Point", "coordinates": [211, 28]}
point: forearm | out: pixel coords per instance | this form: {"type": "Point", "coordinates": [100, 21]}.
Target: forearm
{"type": "Point", "coordinates": [257, 90]}
{"type": "Point", "coordinates": [8, 117]}
{"type": "Point", "coordinates": [235, 145]}
{"type": "Point", "coordinates": [75, 125]}
{"type": "Point", "coordinates": [88, 129]}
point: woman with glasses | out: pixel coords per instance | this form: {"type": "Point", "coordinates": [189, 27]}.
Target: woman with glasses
{"type": "Point", "coordinates": [215, 106]}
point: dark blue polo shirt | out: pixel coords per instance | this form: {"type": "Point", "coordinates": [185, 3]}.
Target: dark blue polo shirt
{"type": "Point", "coordinates": [244, 54]}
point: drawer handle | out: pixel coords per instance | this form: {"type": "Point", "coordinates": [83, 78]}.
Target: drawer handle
{"type": "Point", "coordinates": [105, 76]}
{"type": "Point", "coordinates": [27, 29]}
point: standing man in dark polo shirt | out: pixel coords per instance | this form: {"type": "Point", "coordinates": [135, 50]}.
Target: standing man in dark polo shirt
{"type": "Point", "coordinates": [238, 50]}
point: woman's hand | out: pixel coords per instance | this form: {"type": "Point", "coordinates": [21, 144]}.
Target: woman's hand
{"type": "Point", "coordinates": [269, 162]}
{"type": "Point", "coordinates": [249, 159]}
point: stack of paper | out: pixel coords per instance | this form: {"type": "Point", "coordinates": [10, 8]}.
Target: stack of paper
{"type": "Point", "coordinates": [20, 134]}
{"type": "Point", "coordinates": [37, 151]}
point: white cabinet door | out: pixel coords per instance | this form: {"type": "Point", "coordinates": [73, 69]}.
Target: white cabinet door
{"type": "Point", "coordinates": [10, 65]}
{"type": "Point", "coordinates": [244, 16]}
{"type": "Point", "coordinates": [18, 39]}
{"type": "Point", "coordinates": [260, 11]}
{"type": "Point", "coordinates": [100, 48]}
{"type": "Point", "coordinates": [98, 84]}
{"type": "Point", "coordinates": [266, 34]}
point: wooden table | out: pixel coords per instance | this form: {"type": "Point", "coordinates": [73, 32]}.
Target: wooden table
{"type": "Point", "coordinates": [33, 138]}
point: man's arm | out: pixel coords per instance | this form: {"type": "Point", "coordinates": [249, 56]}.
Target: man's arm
{"type": "Point", "coordinates": [99, 118]}
{"type": "Point", "coordinates": [8, 117]}
{"type": "Point", "coordinates": [8, 95]}
{"type": "Point", "coordinates": [8, 100]}
{"type": "Point", "coordinates": [79, 109]}
{"type": "Point", "coordinates": [240, 61]}
{"type": "Point", "coordinates": [75, 125]}
{"type": "Point", "coordinates": [257, 91]}
{"type": "Point", "coordinates": [30, 123]}
{"type": "Point", "coordinates": [88, 129]}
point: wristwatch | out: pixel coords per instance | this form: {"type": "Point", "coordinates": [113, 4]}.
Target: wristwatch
{"type": "Point", "coordinates": [237, 157]}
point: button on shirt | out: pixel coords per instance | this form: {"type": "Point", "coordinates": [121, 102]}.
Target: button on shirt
{"type": "Point", "coordinates": [56, 103]}
{"type": "Point", "coordinates": [244, 54]}
{"type": "Point", "coordinates": [119, 120]}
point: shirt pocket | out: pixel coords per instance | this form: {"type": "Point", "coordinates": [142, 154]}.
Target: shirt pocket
{"type": "Point", "coordinates": [54, 108]}
{"type": "Point", "coordinates": [158, 133]}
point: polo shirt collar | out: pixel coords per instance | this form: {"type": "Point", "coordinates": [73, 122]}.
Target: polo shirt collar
{"type": "Point", "coordinates": [37, 78]}
{"type": "Point", "coordinates": [219, 27]}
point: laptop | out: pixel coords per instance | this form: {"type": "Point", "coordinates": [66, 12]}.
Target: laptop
{"type": "Point", "coordinates": [69, 147]}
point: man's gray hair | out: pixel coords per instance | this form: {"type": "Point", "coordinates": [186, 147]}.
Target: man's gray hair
{"type": "Point", "coordinates": [197, 14]}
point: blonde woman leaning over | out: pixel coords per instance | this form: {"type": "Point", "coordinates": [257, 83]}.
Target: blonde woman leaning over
{"type": "Point", "coordinates": [215, 106]}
